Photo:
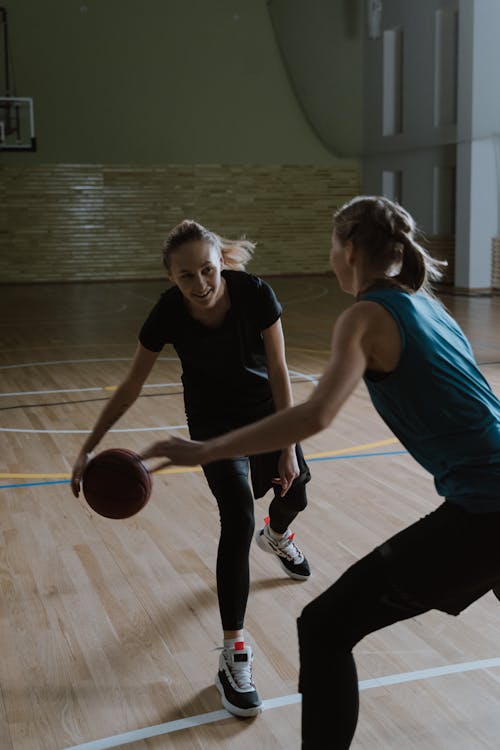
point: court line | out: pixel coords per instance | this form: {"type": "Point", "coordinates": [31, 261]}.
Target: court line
{"type": "Point", "coordinates": [52, 390]}
{"type": "Point", "coordinates": [358, 455]}
{"type": "Point", "coordinates": [78, 362]}
{"type": "Point", "coordinates": [187, 469]}
{"type": "Point", "coordinates": [83, 390]}
{"type": "Point", "coordinates": [310, 378]}
{"type": "Point", "coordinates": [87, 432]}
{"type": "Point", "coordinates": [294, 374]}
{"type": "Point", "coordinates": [136, 735]}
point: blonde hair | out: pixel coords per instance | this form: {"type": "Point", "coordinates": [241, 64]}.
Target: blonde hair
{"type": "Point", "coordinates": [385, 233]}
{"type": "Point", "coordinates": [235, 253]}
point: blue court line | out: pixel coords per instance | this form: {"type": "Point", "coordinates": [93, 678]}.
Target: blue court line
{"type": "Point", "coordinates": [355, 455]}
{"type": "Point", "coordinates": [309, 460]}
{"type": "Point", "coordinates": [33, 484]}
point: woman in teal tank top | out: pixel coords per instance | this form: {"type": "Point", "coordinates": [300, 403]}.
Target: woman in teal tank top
{"type": "Point", "coordinates": [423, 380]}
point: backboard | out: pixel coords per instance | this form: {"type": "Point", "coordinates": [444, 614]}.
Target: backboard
{"type": "Point", "coordinates": [17, 124]}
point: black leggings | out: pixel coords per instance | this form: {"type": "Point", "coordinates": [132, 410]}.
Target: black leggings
{"type": "Point", "coordinates": [445, 561]}
{"type": "Point", "coordinates": [229, 483]}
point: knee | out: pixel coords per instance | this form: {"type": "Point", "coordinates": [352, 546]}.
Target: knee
{"type": "Point", "coordinates": [326, 618]}
{"type": "Point", "coordinates": [237, 520]}
{"type": "Point", "coordinates": [312, 626]}
{"type": "Point", "coordinates": [296, 497]}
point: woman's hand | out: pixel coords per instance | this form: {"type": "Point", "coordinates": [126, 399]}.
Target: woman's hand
{"type": "Point", "coordinates": [178, 451]}
{"type": "Point", "coordinates": [78, 469]}
{"type": "Point", "coordinates": [288, 469]}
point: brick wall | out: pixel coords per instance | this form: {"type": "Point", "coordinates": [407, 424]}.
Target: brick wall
{"type": "Point", "coordinates": [92, 222]}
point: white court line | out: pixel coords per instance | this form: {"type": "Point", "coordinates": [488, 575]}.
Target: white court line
{"type": "Point", "coordinates": [105, 388]}
{"type": "Point", "coordinates": [311, 378]}
{"type": "Point", "coordinates": [286, 700]}
{"type": "Point", "coordinates": [294, 375]}
{"type": "Point", "coordinates": [86, 432]}
{"type": "Point", "coordinates": [78, 362]}
{"type": "Point", "coordinates": [83, 390]}
{"type": "Point", "coordinates": [52, 390]}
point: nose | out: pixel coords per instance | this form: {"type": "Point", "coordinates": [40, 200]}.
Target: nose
{"type": "Point", "coordinates": [199, 285]}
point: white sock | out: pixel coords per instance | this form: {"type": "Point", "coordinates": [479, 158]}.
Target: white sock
{"type": "Point", "coordinates": [276, 535]}
{"type": "Point", "coordinates": [229, 642]}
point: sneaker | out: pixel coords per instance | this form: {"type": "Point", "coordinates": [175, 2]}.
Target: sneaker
{"type": "Point", "coordinates": [234, 681]}
{"type": "Point", "coordinates": [291, 558]}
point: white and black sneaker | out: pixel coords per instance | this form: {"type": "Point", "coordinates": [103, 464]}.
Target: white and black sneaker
{"type": "Point", "coordinates": [234, 681]}
{"type": "Point", "coordinates": [289, 555]}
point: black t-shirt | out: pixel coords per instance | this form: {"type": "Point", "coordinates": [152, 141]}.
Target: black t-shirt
{"type": "Point", "coordinates": [224, 369]}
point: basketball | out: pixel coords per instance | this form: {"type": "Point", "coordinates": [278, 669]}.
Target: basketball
{"type": "Point", "coordinates": [116, 483]}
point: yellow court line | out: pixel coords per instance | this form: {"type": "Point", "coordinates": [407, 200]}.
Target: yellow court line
{"type": "Point", "coordinates": [185, 469]}
{"type": "Point", "coordinates": [35, 476]}
{"type": "Point", "coordinates": [363, 447]}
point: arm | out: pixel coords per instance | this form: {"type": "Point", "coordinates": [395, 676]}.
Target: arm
{"type": "Point", "coordinates": [353, 343]}
{"type": "Point", "coordinates": [274, 345]}
{"type": "Point", "coordinates": [121, 400]}
{"type": "Point", "coordinates": [281, 388]}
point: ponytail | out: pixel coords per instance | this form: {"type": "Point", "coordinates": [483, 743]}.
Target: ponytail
{"type": "Point", "coordinates": [413, 271]}
{"type": "Point", "coordinates": [236, 253]}
{"type": "Point", "coordinates": [385, 232]}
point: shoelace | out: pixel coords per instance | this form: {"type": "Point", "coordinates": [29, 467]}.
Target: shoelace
{"type": "Point", "coordinates": [242, 675]}
{"type": "Point", "coordinates": [285, 547]}
{"type": "Point", "coordinates": [290, 549]}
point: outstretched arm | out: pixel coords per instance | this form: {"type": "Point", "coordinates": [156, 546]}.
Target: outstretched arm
{"type": "Point", "coordinates": [352, 345]}
{"type": "Point", "coordinates": [121, 400]}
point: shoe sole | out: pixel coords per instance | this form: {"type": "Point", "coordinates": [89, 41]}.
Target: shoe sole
{"type": "Point", "coordinates": [244, 713]}
{"type": "Point", "coordinates": [295, 576]}
{"type": "Point", "coordinates": [265, 548]}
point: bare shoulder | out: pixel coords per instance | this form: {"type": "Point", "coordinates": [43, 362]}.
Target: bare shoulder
{"type": "Point", "coordinates": [375, 328]}
{"type": "Point", "coordinates": [363, 316]}
{"type": "Point", "coordinates": [374, 313]}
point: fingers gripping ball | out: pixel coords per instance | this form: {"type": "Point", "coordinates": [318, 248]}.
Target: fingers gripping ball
{"type": "Point", "coordinates": [116, 483]}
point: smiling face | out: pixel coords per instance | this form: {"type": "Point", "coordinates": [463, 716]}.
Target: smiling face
{"type": "Point", "coordinates": [195, 267]}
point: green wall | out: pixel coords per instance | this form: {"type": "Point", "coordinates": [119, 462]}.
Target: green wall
{"type": "Point", "coordinates": [322, 46]}
{"type": "Point", "coordinates": [158, 81]}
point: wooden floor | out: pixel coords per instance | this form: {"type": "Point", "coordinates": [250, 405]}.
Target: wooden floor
{"type": "Point", "coordinates": [107, 627]}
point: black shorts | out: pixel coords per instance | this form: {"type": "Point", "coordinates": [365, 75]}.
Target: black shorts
{"type": "Point", "coordinates": [263, 466]}
{"type": "Point", "coordinates": [446, 560]}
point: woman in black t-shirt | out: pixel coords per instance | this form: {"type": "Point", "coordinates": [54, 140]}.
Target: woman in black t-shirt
{"type": "Point", "coordinates": [225, 326]}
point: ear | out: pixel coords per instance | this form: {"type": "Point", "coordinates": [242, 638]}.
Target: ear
{"type": "Point", "coordinates": [350, 253]}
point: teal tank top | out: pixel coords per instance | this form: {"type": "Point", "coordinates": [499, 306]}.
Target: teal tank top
{"type": "Point", "coordinates": [437, 402]}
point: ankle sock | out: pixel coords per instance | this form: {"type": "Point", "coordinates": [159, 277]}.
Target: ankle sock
{"type": "Point", "coordinates": [276, 535]}
{"type": "Point", "coordinates": [230, 642]}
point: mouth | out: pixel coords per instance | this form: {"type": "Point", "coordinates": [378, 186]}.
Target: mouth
{"type": "Point", "coordinates": [204, 295]}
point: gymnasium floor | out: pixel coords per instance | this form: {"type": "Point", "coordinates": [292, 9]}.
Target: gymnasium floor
{"type": "Point", "coordinates": [109, 629]}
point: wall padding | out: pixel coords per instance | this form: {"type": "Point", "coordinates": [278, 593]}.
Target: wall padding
{"type": "Point", "coordinates": [495, 271]}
